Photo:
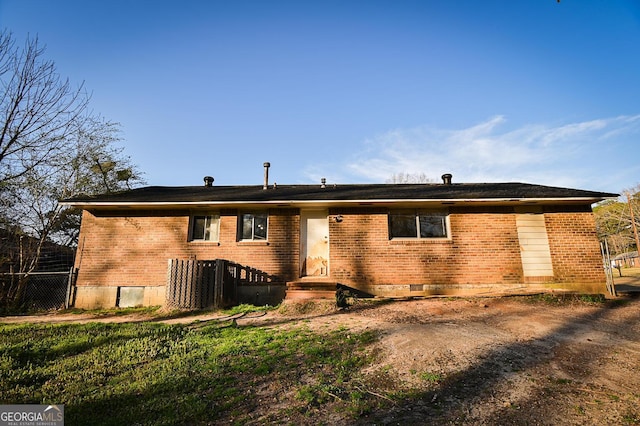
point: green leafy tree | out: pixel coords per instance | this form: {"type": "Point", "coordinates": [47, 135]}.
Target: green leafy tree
{"type": "Point", "coordinates": [614, 221]}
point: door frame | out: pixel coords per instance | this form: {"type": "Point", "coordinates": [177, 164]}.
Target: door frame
{"type": "Point", "coordinates": [305, 215]}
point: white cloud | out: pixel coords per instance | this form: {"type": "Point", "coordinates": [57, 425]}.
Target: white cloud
{"type": "Point", "coordinates": [571, 154]}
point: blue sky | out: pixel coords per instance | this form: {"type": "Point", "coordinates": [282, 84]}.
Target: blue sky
{"type": "Point", "coordinates": [491, 91]}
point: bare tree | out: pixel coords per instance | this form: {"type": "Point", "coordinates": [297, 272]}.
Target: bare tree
{"type": "Point", "coordinates": [38, 109]}
{"type": "Point", "coordinates": [409, 178]}
{"type": "Point", "coordinates": [89, 164]}
{"type": "Point", "coordinates": [51, 148]}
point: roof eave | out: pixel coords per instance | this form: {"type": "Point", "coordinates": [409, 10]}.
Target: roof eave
{"type": "Point", "coordinates": [327, 203]}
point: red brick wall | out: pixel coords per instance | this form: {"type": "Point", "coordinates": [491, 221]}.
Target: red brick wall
{"type": "Point", "coordinates": [575, 250]}
{"type": "Point", "coordinates": [483, 249]}
{"type": "Point", "coordinates": [133, 251]}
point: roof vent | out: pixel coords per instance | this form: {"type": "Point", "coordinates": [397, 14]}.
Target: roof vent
{"type": "Point", "coordinates": [266, 175]}
{"type": "Point", "coordinates": [446, 178]}
{"type": "Point", "coordinates": [323, 183]}
{"type": "Point", "coordinates": [208, 181]}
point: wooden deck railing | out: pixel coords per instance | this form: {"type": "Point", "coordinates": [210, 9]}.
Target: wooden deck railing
{"type": "Point", "coordinates": [197, 284]}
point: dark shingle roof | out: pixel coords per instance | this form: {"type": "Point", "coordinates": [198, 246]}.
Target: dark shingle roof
{"type": "Point", "coordinates": [340, 194]}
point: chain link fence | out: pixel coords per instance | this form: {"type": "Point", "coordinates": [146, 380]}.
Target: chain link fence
{"type": "Point", "coordinates": [50, 279]}
{"type": "Point", "coordinates": [43, 290]}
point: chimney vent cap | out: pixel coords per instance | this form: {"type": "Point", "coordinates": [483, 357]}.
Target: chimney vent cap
{"type": "Point", "coordinates": [208, 181]}
{"type": "Point", "coordinates": [446, 178]}
{"type": "Point", "coordinates": [266, 165]}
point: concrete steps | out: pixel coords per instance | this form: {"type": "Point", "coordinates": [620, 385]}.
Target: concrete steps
{"type": "Point", "coordinates": [311, 288]}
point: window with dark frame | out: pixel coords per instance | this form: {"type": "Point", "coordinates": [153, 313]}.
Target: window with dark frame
{"type": "Point", "coordinates": [205, 227]}
{"type": "Point", "coordinates": [253, 227]}
{"type": "Point", "coordinates": [412, 224]}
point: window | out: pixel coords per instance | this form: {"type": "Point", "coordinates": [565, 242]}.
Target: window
{"type": "Point", "coordinates": [205, 228]}
{"type": "Point", "coordinates": [253, 226]}
{"type": "Point", "coordinates": [411, 224]}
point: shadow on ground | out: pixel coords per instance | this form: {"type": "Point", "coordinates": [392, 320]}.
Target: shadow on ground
{"type": "Point", "coordinates": [477, 395]}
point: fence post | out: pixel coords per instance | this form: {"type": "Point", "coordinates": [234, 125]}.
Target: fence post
{"type": "Point", "coordinates": [197, 280]}
{"type": "Point", "coordinates": [218, 290]}
{"type": "Point", "coordinates": [208, 276]}
{"type": "Point", "coordinates": [168, 295]}
{"type": "Point", "coordinates": [237, 273]}
{"type": "Point", "coordinates": [70, 287]}
{"type": "Point", "coordinates": [236, 281]}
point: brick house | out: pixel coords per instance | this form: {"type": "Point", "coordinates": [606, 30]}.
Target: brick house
{"type": "Point", "coordinates": [381, 239]}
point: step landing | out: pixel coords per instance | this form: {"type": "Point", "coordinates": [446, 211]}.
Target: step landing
{"type": "Point", "coordinates": [311, 288]}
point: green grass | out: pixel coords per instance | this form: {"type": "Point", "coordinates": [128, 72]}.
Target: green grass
{"type": "Point", "coordinates": [246, 309]}
{"type": "Point", "coordinates": [158, 313]}
{"type": "Point", "coordinates": [431, 377]}
{"type": "Point", "coordinates": [150, 373]}
{"type": "Point", "coordinates": [566, 299]}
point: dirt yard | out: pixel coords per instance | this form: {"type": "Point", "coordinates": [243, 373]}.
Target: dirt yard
{"type": "Point", "coordinates": [480, 361]}
{"type": "Point", "coordinates": [508, 361]}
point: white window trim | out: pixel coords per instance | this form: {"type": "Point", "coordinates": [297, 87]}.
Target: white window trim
{"type": "Point", "coordinates": [211, 215]}
{"type": "Point", "coordinates": [417, 214]}
{"type": "Point", "coordinates": [240, 227]}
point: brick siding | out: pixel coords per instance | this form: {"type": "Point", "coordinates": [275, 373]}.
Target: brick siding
{"type": "Point", "coordinates": [483, 248]}
{"type": "Point", "coordinates": [575, 250]}
{"type": "Point", "coordinates": [134, 250]}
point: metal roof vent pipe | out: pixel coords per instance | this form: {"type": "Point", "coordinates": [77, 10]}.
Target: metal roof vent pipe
{"type": "Point", "coordinates": [266, 175]}
{"type": "Point", "coordinates": [446, 178]}
{"type": "Point", "coordinates": [208, 181]}
{"type": "Point", "coordinates": [323, 183]}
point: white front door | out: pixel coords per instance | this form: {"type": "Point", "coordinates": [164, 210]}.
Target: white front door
{"type": "Point", "coordinates": [314, 243]}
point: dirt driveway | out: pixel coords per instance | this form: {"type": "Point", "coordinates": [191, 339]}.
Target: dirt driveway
{"type": "Point", "coordinates": [506, 361]}
{"type": "Point", "coordinates": [509, 360]}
